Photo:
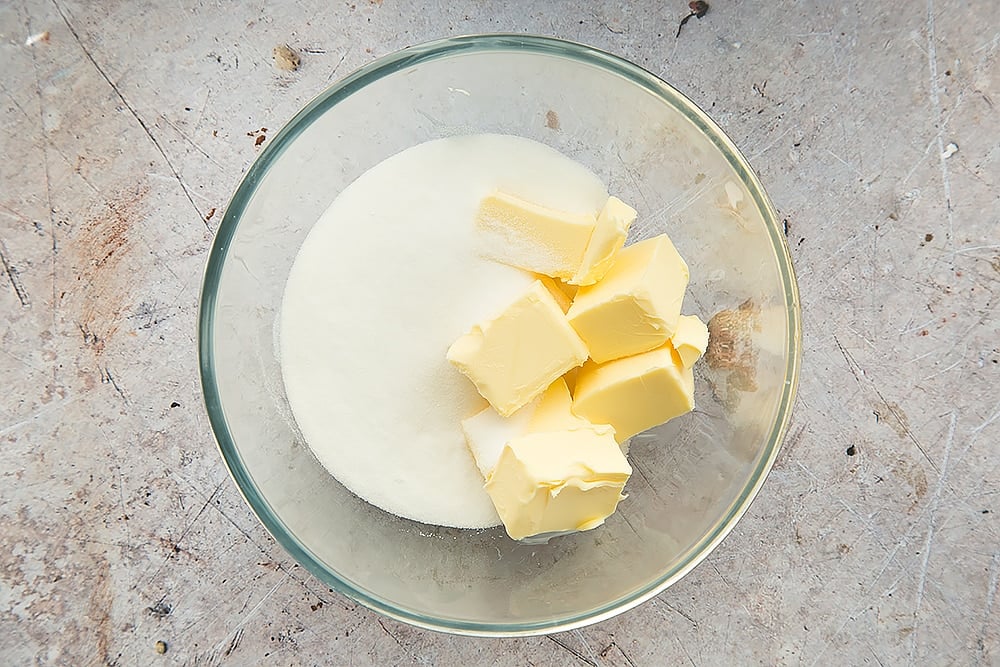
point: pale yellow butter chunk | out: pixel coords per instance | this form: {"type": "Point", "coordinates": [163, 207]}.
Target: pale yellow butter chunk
{"type": "Point", "coordinates": [613, 223]}
{"type": "Point", "coordinates": [570, 378]}
{"type": "Point", "coordinates": [567, 289]}
{"type": "Point", "coordinates": [534, 237]}
{"type": "Point", "coordinates": [556, 290]}
{"type": "Point", "coordinates": [635, 308]}
{"type": "Point", "coordinates": [558, 481]}
{"type": "Point", "coordinates": [634, 393]}
{"type": "Point", "coordinates": [513, 358]}
{"type": "Point", "coordinates": [690, 339]}
{"type": "Point", "coordinates": [554, 410]}
{"type": "Point", "coordinates": [486, 433]}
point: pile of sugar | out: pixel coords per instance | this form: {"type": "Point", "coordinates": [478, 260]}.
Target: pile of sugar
{"type": "Point", "coordinates": [387, 279]}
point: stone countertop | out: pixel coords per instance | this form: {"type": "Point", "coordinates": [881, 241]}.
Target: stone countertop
{"type": "Point", "coordinates": [876, 130]}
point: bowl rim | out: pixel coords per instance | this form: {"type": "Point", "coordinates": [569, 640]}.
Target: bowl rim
{"type": "Point", "coordinates": [387, 65]}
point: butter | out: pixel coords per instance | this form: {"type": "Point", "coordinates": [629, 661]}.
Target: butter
{"type": "Point", "coordinates": [556, 290]}
{"type": "Point", "coordinates": [533, 237]}
{"type": "Point", "coordinates": [634, 393]}
{"type": "Point", "coordinates": [609, 235]}
{"type": "Point", "coordinates": [567, 289]}
{"type": "Point", "coordinates": [486, 433]}
{"type": "Point", "coordinates": [570, 378]}
{"type": "Point", "coordinates": [558, 481]}
{"type": "Point", "coordinates": [514, 357]}
{"type": "Point", "coordinates": [690, 340]}
{"type": "Point", "coordinates": [554, 411]}
{"type": "Point", "coordinates": [635, 308]}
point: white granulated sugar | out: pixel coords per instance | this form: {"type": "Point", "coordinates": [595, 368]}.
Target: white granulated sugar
{"type": "Point", "coordinates": [387, 279]}
{"type": "Point", "coordinates": [488, 433]}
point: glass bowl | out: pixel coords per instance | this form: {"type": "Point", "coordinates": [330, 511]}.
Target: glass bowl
{"type": "Point", "coordinates": [694, 477]}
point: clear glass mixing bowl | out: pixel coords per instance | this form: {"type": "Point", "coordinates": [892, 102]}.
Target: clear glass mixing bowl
{"type": "Point", "coordinates": [694, 477]}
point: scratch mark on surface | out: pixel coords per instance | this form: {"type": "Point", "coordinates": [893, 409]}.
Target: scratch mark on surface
{"type": "Point", "coordinates": [184, 532]}
{"type": "Point", "coordinates": [48, 184]}
{"type": "Point", "coordinates": [991, 591]}
{"type": "Point", "coordinates": [845, 163]}
{"type": "Point", "coordinates": [235, 642]}
{"type": "Point", "coordinates": [917, 327]}
{"type": "Point", "coordinates": [858, 372]}
{"type": "Point", "coordinates": [989, 420]}
{"type": "Point", "coordinates": [942, 371]}
{"type": "Point", "coordinates": [865, 521]}
{"type": "Point", "coordinates": [935, 93]}
{"type": "Point", "coordinates": [686, 653]}
{"type": "Point", "coordinates": [621, 651]}
{"type": "Point", "coordinates": [966, 251]}
{"type": "Point", "coordinates": [12, 276]}
{"type": "Point", "coordinates": [851, 239]}
{"type": "Point", "coordinates": [756, 154]}
{"type": "Point", "coordinates": [13, 100]}
{"type": "Point", "coordinates": [723, 577]}
{"type": "Point", "coordinates": [991, 45]}
{"type": "Point", "coordinates": [304, 583]}
{"type": "Point", "coordinates": [860, 336]}
{"type": "Point", "coordinates": [987, 313]}
{"type": "Point", "coordinates": [814, 33]}
{"type": "Point", "coordinates": [812, 476]}
{"type": "Point", "coordinates": [15, 215]}
{"type": "Point", "coordinates": [917, 163]}
{"type": "Point", "coordinates": [108, 378]}
{"type": "Point", "coordinates": [416, 658]}
{"type": "Point", "coordinates": [889, 560]}
{"type": "Point", "coordinates": [24, 362]}
{"type": "Point", "coordinates": [132, 110]}
{"type": "Point", "coordinates": [190, 141]}
{"type": "Point", "coordinates": [337, 66]}
{"type": "Point", "coordinates": [201, 511]}
{"type": "Point", "coordinates": [10, 428]}
{"type": "Point", "coordinates": [579, 656]}
{"type": "Point", "coordinates": [677, 611]}
{"type": "Point", "coordinates": [201, 114]}
{"type": "Point", "coordinates": [792, 440]}
{"type": "Point", "coordinates": [583, 641]}
{"type": "Point", "coordinates": [929, 540]}
{"type": "Point", "coordinates": [604, 24]}
{"type": "Point", "coordinates": [253, 610]}
{"type": "Point", "coordinates": [121, 504]}
{"type": "Point", "coordinates": [390, 633]}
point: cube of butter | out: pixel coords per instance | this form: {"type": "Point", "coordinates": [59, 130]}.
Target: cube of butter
{"type": "Point", "coordinates": [609, 235]}
{"type": "Point", "coordinates": [636, 306]}
{"type": "Point", "coordinates": [513, 358]}
{"type": "Point", "coordinates": [486, 433]}
{"type": "Point", "coordinates": [634, 393]}
{"type": "Point", "coordinates": [690, 339]}
{"type": "Point", "coordinates": [558, 481]}
{"type": "Point", "coordinates": [534, 237]}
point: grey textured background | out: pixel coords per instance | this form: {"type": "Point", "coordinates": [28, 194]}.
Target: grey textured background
{"type": "Point", "coordinates": [124, 135]}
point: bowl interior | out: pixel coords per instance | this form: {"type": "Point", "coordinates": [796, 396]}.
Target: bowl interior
{"type": "Point", "coordinates": [693, 476]}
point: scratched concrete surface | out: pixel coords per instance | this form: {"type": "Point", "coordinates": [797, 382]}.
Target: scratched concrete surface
{"type": "Point", "coordinates": [875, 540]}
